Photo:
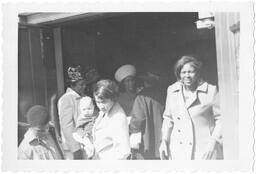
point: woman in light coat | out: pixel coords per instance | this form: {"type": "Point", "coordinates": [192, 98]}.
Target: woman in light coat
{"type": "Point", "coordinates": [110, 131]}
{"type": "Point", "coordinates": [68, 112]}
{"type": "Point", "coordinates": [192, 122]}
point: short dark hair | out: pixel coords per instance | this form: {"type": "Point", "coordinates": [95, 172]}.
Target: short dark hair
{"type": "Point", "coordinates": [106, 89]}
{"type": "Point", "coordinates": [184, 60]}
{"type": "Point", "coordinates": [37, 116]}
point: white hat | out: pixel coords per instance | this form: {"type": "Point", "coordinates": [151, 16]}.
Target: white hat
{"type": "Point", "coordinates": [125, 71]}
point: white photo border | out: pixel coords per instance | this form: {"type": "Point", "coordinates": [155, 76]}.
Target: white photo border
{"type": "Point", "coordinates": [10, 88]}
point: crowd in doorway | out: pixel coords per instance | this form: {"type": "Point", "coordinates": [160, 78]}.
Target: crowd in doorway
{"type": "Point", "coordinates": [103, 119]}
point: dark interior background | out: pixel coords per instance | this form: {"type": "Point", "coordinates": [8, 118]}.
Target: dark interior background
{"type": "Point", "coordinates": [147, 40]}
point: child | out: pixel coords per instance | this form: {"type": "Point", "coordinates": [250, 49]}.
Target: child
{"type": "Point", "coordinates": [84, 125]}
{"type": "Point", "coordinates": [40, 141]}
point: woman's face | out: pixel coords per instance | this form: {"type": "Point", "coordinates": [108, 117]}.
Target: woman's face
{"type": "Point", "coordinates": [129, 83]}
{"type": "Point", "coordinates": [79, 87]}
{"type": "Point", "coordinates": [188, 75]}
{"type": "Point", "coordinates": [104, 105]}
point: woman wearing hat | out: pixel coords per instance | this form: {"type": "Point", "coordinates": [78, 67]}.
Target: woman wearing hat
{"type": "Point", "coordinates": [125, 75]}
{"type": "Point", "coordinates": [192, 121]}
{"type": "Point", "coordinates": [146, 118]}
{"type": "Point", "coordinates": [68, 108]}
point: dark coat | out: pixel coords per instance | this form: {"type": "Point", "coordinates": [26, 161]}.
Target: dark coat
{"type": "Point", "coordinates": [147, 114]}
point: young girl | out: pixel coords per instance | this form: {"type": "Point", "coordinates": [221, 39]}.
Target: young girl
{"type": "Point", "coordinates": [110, 131]}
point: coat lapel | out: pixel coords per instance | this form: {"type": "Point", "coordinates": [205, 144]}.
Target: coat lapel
{"type": "Point", "coordinates": [191, 100]}
{"type": "Point", "coordinates": [201, 88]}
{"type": "Point", "coordinates": [98, 123]}
{"type": "Point", "coordinates": [177, 87]}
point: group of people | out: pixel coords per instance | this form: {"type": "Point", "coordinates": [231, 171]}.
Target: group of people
{"type": "Point", "coordinates": [119, 121]}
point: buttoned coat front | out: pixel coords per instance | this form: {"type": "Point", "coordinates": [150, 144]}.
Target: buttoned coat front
{"type": "Point", "coordinates": [68, 110]}
{"type": "Point", "coordinates": [111, 135]}
{"type": "Point", "coordinates": [195, 122]}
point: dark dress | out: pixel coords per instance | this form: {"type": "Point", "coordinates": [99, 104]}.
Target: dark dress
{"type": "Point", "coordinates": [146, 118]}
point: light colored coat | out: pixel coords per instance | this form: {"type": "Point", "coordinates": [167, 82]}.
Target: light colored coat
{"type": "Point", "coordinates": [110, 134]}
{"type": "Point", "coordinates": [68, 109]}
{"type": "Point", "coordinates": [44, 148]}
{"type": "Point", "coordinates": [195, 123]}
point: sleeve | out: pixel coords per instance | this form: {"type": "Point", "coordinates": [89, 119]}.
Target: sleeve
{"type": "Point", "coordinates": [24, 151]}
{"type": "Point", "coordinates": [138, 115]}
{"type": "Point", "coordinates": [167, 116]}
{"type": "Point", "coordinates": [121, 137]}
{"type": "Point", "coordinates": [82, 120]}
{"type": "Point", "coordinates": [167, 112]}
{"type": "Point", "coordinates": [217, 133]}
{"type": "Point", "coordinates": [65, 108]}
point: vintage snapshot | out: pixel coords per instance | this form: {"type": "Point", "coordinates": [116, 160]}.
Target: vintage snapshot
{"type": "Point", "coordinates": [160, 88]}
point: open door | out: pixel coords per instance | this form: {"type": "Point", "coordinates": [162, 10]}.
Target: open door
{"type": "Point", "coordinates": [36, 71]}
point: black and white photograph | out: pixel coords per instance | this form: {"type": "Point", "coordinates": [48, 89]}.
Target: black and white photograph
{"type": "Point", "coordinates": [136, 88]}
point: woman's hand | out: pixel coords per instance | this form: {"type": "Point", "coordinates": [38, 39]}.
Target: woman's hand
{"type": "Point", "coordinates": [163, 150]}
{"type": "Point", "coordinates": [209, 150]}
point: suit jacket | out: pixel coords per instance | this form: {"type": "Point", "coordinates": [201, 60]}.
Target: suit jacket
{"type": "Point", "coordinates": [110, 134]}
{"type": "Point", "coordinates": [193, 123]}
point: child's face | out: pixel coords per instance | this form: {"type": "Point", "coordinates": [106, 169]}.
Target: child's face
{"type": "Point", "coordinates": [87, 110]}
{"type": "Point", "coordinates": [86, 106]}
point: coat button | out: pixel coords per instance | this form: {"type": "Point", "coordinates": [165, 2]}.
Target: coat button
{"type": "Point", "coordinates": [179, 130]}
{"type": "Point", "coordinates": [178, 118]}
{"type": "Point", "coordinates": [180, 142]}
{"type": "Point", "coordinates": [190, 143]}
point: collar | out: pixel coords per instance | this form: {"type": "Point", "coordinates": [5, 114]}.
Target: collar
{"type": "Point", "coordinates": [177, 86]}
{"type": "Point", "coordinates": [30, 136]}
{"type": "Point", "coordinates": [71, 91]}
{"type": "Point", "coordinates": [112, 109]}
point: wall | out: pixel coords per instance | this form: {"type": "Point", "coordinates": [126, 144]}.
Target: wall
{"type": "Point", "coordinates": [228, 55]}
{"type": "Point", "coordinates": [157, 39]}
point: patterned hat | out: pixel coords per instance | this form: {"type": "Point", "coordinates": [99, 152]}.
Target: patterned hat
{"type": "Point", "coordinates": [75, 74]}
{"type": "Point", "coordinates": [37, 116]}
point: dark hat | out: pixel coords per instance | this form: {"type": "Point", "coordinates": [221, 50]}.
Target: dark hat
{"type": "Point", "coordinates": [150, 77]}
{"type": "Point", "coordinates": [37, 116]}
{"type": "Point", "coordinates": [75, 73]}
{"type": "Point", "coordinates": [91, 74]}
